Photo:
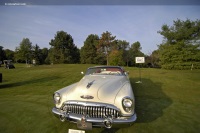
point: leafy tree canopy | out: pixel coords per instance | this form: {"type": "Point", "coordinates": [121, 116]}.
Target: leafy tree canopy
{"type": "Point", "coordinates": [89, 50]}
{"type": "Point", "coordinates": [24, 51]}
{"type": "Point", "coordinates": [186, 31]}
{"type": "Point", "coordinates": [2, 54]}
{"type": "Point", "coordinates": [116, 58]}
{"type": "Point", "coordinates": [9, 54]}
{"type": "Point", "coordinates": [106, 44]}
{"type": "Point", "coordinates": [180, 49]}
{"type": "Point", "coordinates": [64, 49]}
{"type": "Point", "coordinates": [135, 51]}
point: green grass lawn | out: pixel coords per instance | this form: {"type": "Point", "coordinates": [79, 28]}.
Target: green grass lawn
{"type": "Point", "coordinates": [166, 100]}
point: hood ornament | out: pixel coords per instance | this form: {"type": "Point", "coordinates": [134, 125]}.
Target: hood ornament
{"type": "Point", "coordinates": [89, 84]}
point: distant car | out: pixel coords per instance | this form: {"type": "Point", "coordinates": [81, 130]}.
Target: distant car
{"type": "Point", "coordinates": [102, 98]}
{"type": "Point", "coordinates": [8, 64]}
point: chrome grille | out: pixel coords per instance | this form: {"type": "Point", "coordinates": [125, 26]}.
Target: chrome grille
{"type": "Point", "coordinates": [91, 111]}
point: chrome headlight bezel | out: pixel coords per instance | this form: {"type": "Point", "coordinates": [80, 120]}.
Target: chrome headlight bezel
{"type": "Point", "coordinates": [56, 97]}
{"type": "Point", "coordinates": [127, 104]}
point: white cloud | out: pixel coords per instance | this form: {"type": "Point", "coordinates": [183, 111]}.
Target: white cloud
{"type": "Point", "coordinates": [130, 23]}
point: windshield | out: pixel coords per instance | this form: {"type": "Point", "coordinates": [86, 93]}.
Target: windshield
{"type": "Point", "coordinates": [105, 71]}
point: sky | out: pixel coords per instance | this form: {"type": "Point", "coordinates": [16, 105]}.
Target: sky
{"type": "Point", "coordinates": [132, 23]}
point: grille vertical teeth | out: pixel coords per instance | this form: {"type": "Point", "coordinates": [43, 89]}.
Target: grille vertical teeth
{"type": "Point", "coordinates": [92, 111]}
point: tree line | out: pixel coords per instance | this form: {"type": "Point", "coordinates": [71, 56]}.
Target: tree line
{"type": "Point", "coordinates": [180, 49]}
{"type": "Point", "coordinates": [96, 50]}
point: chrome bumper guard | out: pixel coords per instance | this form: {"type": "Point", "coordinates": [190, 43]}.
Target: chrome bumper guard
{"type": "Point", "coordinates": [99, 122]}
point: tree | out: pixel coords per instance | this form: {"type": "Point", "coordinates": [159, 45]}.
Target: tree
{"type": "Point", "coordinates": [2, 54]}
{"type": "Point", "coordinates": [75, 54]}
{"type": "Point", "coordinates": [37, 54]}
{"type": "Point", "coordinates": [123, 45]}
{"type": "Point", "coordinates": [116, 58]}
{"type": "Point", "coordinates": [136, 47]}
{"type": "Point", "coordinates": [24, 51]}
{"type": "Point", "coordinates": [50, 57]}
{"type": "Point", "coordinates": [45, 59]}
{"type": "Point", "coordinates": [64, 49]}
{"type": "Point", "coordinates": [154, 58]}
{"type": "Point", "coordinates": [135, 51]}
{"type": "Point", "coordinates": [180, 48]}
{"type": "Point", "coordinates": [100, 58]}
{"type": "Point", "coordinates": [89, 51]}
{"type": "Point", "coordinates": [107, 42]}
{"type": "Point", "coordinates": [9, 54]}
{"type": "Point", "coordinates": [187, 31]}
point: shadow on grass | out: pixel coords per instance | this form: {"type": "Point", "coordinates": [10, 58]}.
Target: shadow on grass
{"type": "Point", "coordinates": [33, 81]}
{"type": "Point", "coordinates": [150, 100]}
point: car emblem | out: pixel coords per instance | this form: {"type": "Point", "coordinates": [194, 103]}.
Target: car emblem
{"type": "Point", "coordinates": [87, 97]}
{"type": "Point", "coordinates": [89, 84]}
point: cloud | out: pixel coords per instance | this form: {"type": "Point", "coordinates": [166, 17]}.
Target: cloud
{"type": "Point", "coordinates": [130, 23]}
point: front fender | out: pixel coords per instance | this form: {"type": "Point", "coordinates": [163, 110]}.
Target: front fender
{"type": "Point", "coordinates": [125, 91]}
{"type": "Point", "coordinates": [63, 93]}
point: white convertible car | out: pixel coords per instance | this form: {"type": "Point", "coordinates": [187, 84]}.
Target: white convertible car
{"type": "Point", "coordinates": [103, 98]}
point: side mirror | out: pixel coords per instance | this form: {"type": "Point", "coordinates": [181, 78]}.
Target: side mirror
{"type": "Point", "coordinates": [126, 73]}
{"type": "Point", "coordinates": [82, 73]}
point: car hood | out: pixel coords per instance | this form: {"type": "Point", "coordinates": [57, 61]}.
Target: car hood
{"type": "Point", "coordinates": [99, 88]}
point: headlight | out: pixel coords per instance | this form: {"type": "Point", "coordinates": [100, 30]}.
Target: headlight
{"type": "Point", "coordinates": [127, 104]}
{"type": "Point", "coordinates": [56, 98]}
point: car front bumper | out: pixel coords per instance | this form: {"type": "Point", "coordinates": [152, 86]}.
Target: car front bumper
{"type": "Point", "coordinates": [98, 122]}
